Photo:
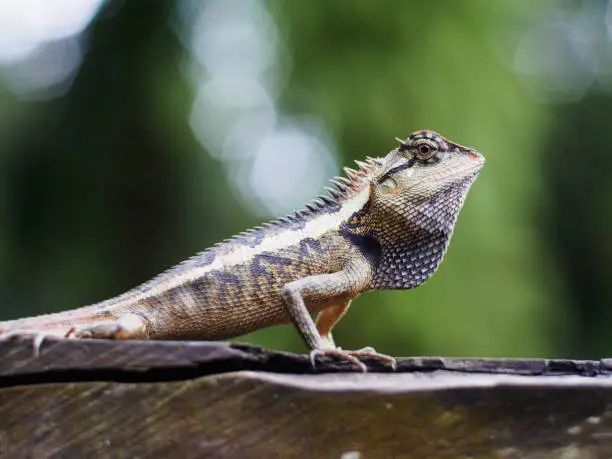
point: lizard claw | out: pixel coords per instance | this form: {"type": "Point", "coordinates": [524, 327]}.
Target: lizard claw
{"type": "Point", "coordinates": [370, 353]}
{"type": "Point", "coordinates": [37, 337]}
{"type": "Point", "coordinates": [339, 354]}
{"type": "Point", "coordinates": [353, 357]}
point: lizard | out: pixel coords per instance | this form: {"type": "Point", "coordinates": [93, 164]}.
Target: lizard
{"type": "Point", "coordinates": [386, 225]}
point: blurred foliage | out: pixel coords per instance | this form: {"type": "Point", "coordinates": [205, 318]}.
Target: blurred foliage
{"type": "Point", "coordinates": [106, 186]}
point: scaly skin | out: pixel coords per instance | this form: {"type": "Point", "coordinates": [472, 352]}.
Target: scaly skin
{"type": "Point", "coordinates": [386, 226]}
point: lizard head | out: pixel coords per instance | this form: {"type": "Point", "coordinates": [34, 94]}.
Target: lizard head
{"type": "Point", "coordinates": [415, 197]}
{"type": "Point", "coordinates": [422, 185]}
{"type": "Point", "coordinates": [400, 210]}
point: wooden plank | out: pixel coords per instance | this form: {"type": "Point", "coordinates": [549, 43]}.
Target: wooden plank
{"type": "Point", "coordinates": [134, 357]}
{"type": "Point", "coordinates": [132, 399]}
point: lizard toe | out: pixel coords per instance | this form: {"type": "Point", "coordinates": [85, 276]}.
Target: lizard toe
{"type": "Point", "coordinates": [370, 353]}
{"type": "Point", "coordinates": [338, 354]}
{"type": "Point", "coordinates": [354, 357]}
{"type": "Point", "coordinates": [37, 336]}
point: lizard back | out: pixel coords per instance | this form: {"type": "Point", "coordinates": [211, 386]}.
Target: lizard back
{"type": "Point", "coordinates": [241, 276]}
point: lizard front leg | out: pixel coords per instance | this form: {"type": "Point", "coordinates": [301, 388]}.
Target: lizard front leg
{"type": "Point", "coordinates": [341, 285]}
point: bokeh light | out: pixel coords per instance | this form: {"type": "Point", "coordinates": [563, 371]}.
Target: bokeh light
{"type": "Point", "coordinates": [235, 46]}
{"type": "Point", "coordinates": [41, 43]}
{"type": "Point", "coordinates": [135, 134]}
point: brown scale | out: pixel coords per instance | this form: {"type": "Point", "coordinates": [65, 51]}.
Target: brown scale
{"type": "Point", "coordinates": [251, 290]}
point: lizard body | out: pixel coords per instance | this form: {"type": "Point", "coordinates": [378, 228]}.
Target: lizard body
{"type": "Point", "coordinates": [386, 226]}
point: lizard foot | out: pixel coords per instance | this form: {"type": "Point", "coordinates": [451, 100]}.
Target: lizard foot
{"type": "Point", "coordinates": [37, 336]}
{"type": "Point", "coordinates": [127, 326]}
{"type": "Point", "coordinates": [353, 357]}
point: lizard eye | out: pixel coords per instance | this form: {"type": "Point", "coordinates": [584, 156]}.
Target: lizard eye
{"type": "Point", "coordinates": [425, 150]}
{"type": "Point", "coordinates": [388, 185]}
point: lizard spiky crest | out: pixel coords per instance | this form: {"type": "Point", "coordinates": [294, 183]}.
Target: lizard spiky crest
{"type": "Point", "coordinates": [343, 188]}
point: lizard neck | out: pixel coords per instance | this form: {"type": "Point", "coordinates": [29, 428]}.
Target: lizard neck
{"type": "Point", "coordinates": [408, 260]}
{"type": "Point", "coordinates": [409, 263]}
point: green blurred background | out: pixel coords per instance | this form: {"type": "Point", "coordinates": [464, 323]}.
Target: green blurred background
{"type": "Point", "coordinates": [134, 134]}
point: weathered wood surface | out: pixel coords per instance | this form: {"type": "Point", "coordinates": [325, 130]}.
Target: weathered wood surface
{"type": "Point", "coordinates": [183, 399]}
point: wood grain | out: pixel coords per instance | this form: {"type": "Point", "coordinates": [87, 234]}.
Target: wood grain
{"type": "Point", "coordinates": [166, 399]}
